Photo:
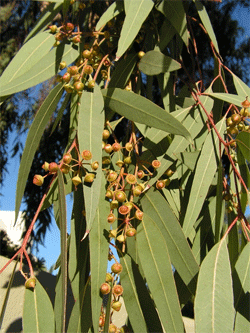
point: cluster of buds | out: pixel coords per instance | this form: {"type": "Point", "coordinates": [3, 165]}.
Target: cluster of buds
{"type": "Point", "coordinates": [124, 187]}
{"type": "Point", "coordinates": [111, 285]}
{"type": "Point", "coordinates": [66, 31]}
{"type": "Point", "coordinates": [69, 164]}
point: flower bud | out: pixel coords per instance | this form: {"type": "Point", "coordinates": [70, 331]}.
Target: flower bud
{"type": "Point", "coordinates": [139, 215]}
{"type": "Point", "coordinates": [112, 176]}
{"type": "Point", "coordinates": [112, 328]}
{"type": "Point", "coordinates": [141, 54]}
{"type": "Point", "coordinates": [127, 160]}
{"type": "Point", "coordinates": [108, 148]}
{"type": "Point", "coordinates": [45, 166]}
{"type": "Point", "coordinates": [67, 158]}
{"type": "Point", "coordinates": [86, 54]}
{"type": "Point", "coordinates": [109, 194]}
{"type": "Point", "coordinates": [114, 204]}
{"type": "Point", "coordinates": [113, 233]}
{"type": "Point", "coordinates": [116, 268]}
{"type": "Point", "coordinates": [76, 180]}
{"type": "Point", "coordinates": [89, 178]}
{"type": "Point", "coordinates": [111, 218]}
{"type": "Point", "coordinates": [117, 290]}
{"type": "Point", "coordinates": [160, 184]}
{"type": "Point", "coordinates": [128, 146]}
{"type": "Point", "coordinates": [79, 86]}
{"type": "Point", "coordinates": [105, 288]}
{"type": "Point", "coordinates": [120, 196]}
{"type": "Point", "coordinates": [124, 210]}
{"type": "Point", "coordinates": [38, 180]}
{"type": "Point", "coordinates": [116, 146]}
{"type": "Point", "coordinates": [131, 179]}
{"type": "Point", "coordinates": [30, 283]}
{"type": "Point", "coordinates": [65, 168]}
{"type": "Point", "coordinates": [129, 204]}
{"type": "Point", "coordinates": [246, 103]}
{"type": "Point", "coordinates": [95, 165]}
{"type": "Point", "coordinates": [121, 239]}
{"type": "Point", "coordinates": [53, 29]}
{"type": "Point", "coordinates": [91, 84]}
{"type": "Point", "coordinates": [69, 26]}
{"type": "Point", "coordinates": [109, 277]}
{"type": "Point", "coordinates": [86, 155]}
{"type": "Point", "coordinates": [53, 167]}
{"type": "Point", "coordinates": [116, 306]}
{"type": "Point", "coordinates": [156, 164]}
{"type": "Point", "coordinates": [140, 174]}
{"type": "Point", "coordinates": [119, 163]}
{"type": "Point", "coordinates": [137, 191]}
{"type": "Point", "coordinates": [62, 65]}
{"type": "Point", "coordinates": [88, 69]}
{"type": "Point", "coordinates": [131, 232]}
{"type": "Point", "coordinates": [105, 134]}
{"type": "Point", "coordinates": [66, 77]}
{"type": "Point", "coordinates": [106, 160]}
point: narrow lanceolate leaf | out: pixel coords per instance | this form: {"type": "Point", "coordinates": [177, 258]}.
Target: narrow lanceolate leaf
{"type": "Point", "coordinates": [98, 255]}
{"type": "Point", "coordinates": [241, 87]}
{"type": "Point", "coordinates": [80, 318]}
{"type": "Point", "coordinates": [130, 296]}
{"type": "Point", "coordinates": [204, 173]}
{"type": "Point", "coordinates": [241, 283]}
{"type": "Point", "coordinates": [34, 136]}
{"type": "Point", "coordinates": [136, 14]}
{"type": "Point", "coordinates": [174, 12]}
{"type": "Point", "coordinates": [30, 54]}
{"type": "Point", "coordinates": [206, 22]}
{"type": "Point", "coordinates": [156, 265]}
{"type": "Point", "coordinates": [47, 67]}
{"type": "Point", "coordinates": [38, 314]}
{"type": "Point", "coordinates": [155, 62]}
{"type": "Point", "coordinates": [63, 236]}
{"type": "Point", "coordinates": [213, 307]}
{"type": "Point", "coordinates": [90, 128]}
{"type": "Point", "coordinates": [139, 109]}
{"type": "Point", "coordinates": [245, 174]}
{"type": "Point", "coordinates": [113, 10]}
{"type": "Point", "coordinates": [157, 208]}
{"type": "Point", "coordinates": [46, 17]}
{"type": "Point", "coordinates": [230, 98]}
{"type": "Point", "coordinates": [123, 70]}
{"type": "Point", "coordinates": [243, 142]}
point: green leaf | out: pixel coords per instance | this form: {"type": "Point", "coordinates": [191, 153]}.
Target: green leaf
{"type": "Point", "coordinates": [78, 251]}
{"type": "Point", "coordinates": [38, 314]}
{"type": "Point", "coordinates": [32, 142]}
{"type": "Point", "coordinates": [136, 14]}
{"type": "Point", "coordinates": [155, 62]}
{"type": "Point", "coordinates": [139, 109]}
{"type": "Point", "coordinates": [230, 98]}
{"type": "Point", "coordinates": [99, 249]}
{"type": "Point", "coordinates": [90, 128]}
{"type": "Point", "coordinates": [156, 265]}
{"type": "Point", "coordinates": [241, 284]}
{"type": "Point", "coordinates": [60, 112]}
{"type": "Point", "coordinates": [29, 55]}
{"type": "Point", "coordinates": [115, 9]}
{"type": "Point", "coordinates": [241, 87]}
{"type": "Point", "coordinates": [245, 174]}
{"type": "Point", "coordinates": [167, 32]}
{"type": "Point", "coordinates": [123, 70]}
{"type": "Point", "coordinates": [7, 294]}
{"type": "Point", "coordinates": [243, 142]}
{"type": "Point", "coordinates": [213, 305]}
{"type": "Point", "coordinates": [46, 17]}
{"type": "Point", "coordinates": [189, 158]}
{"type": "Point", "coordinates": [130, 296]}
{"type": "Point", "coordinates": [47, 67]}
{"type": "Point", "coordinates": [63, 238]}
{"type": "Point", "coordinates": [204, 173]}
{"type": "Point", "coordinates": [206, 22]}
{"type": "Point", "coordinates": [157, 208]}
{"type": "Point", "coordinates": [219, 220]}
{"type": "Point", "coordinates": [174, 12]}
{"type": "Point", "coordinates": [81, 318]}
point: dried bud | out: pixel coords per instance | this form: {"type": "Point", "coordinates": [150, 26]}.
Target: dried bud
{"type": "Point", "coordinates": [65, 168]}
{"type": "Point", "coordinates": [246, 103]}
{"type": "Point", "coordinates": [116, 146]}
{"type": "Point", "coordinates": [53, 167]}
{"type": "Point", "coordinates": [116, 268]}
{"type": "Point", "coordinates": [67, 158]}
{"type": "Point", "coordinates": [112, 176]}
{"type": "Point", "coordinates": [95, 165]}
{"type": "Point", "coordinates": [156, 164]}
{"type": "Point", "coordinates": [88, 69]}
{"type": "Point", "coordinates": [105, 134]}
{"type": "Point", "coordinates": [124, 210]}
{"type": "Point", "coordinates": [114, 204]}
{"type": "Point", "coordinates": [120, 196]}
{"type": "Point", "coordinates": [86, 155]}
{"type": "Point", "coordinates": [117, 290]}
{"type": "Point", "coordinates": [119, 163]}
{"type": "Point", "coordinates": [140, 174]}
{"type": "Point", "coordinates": [105, 288]}
{"type": "Point", "coordinates": [111, 218]}
{"type": "Point", "coordinates": [130, 232]}
{"type": "Point", "coordinates": [69, 26]}
{"type": "Point", "coordinates": [131, 179]}
{"type": "Point", "coordinates": [160, 184]}
{"type": "Point", "coordinates": [38, 180]}
{"type": "Point", "coordinates": [139, 215]}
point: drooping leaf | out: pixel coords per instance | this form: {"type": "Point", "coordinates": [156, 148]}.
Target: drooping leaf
{"type": "Point", "coordinates": [46, 17]}
{"type": "Point", "coordinates": [174, 12]}
{"type": "Point", "coordinates": [139, 109]}
{"type": "Point", "coordinates": [123, 70]}
{"type": "Point", "coordinates": [243, 142]}
{"type": "Point", "coordinates": [130, 296]}
{"type": "Point", "coordinates": [34, 136]}
{"type": "Point", "coordinates": [204, 173]}
{"type": "Point", "coordinates": [241, 88]}
{"type": "Point", "coordinates": [115, 9]}
{"type": "Point", "coordinates": [30, 54]}
{"type": "Point", "coordinates": [213, 305]}
{"type": "Point", "coordinates": [156, 265]}
{"type": "Point", "coordinates": [81, 318]}
{"type": "Point", "coordinates": [155, 62]}
{"type": "Point", "coordinates": [245, 174]}
{"type": "Point", "coordinates": [156, 207]}
{"type": "Point", "coordinates": [230, 98]}
{"type": "Point", "coordinates": [98, 254]}
{"type": "Point", "coordinates": [63, 241]}
{"type": "Point", "coordinates": [241, 284]}
{"type": "Point", "coordinates": [38, 314]}
{"type": "Point", "coordinates": [47, 67]}
{"type": "Point", "coordinates": [136, 14]}
{"type": "Point", "coordinates": [90, 128]}
{"type": "Point", "coordinates": [206, 22]}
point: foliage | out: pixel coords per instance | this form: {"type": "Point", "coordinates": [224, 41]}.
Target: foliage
{"type": "Point", "coordinates": [153, 197]}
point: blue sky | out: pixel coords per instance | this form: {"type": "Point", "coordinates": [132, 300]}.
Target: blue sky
{"type": "Point", "coordinates": [51, 249]}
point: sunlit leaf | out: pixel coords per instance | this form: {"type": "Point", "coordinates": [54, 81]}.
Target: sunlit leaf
{"type": "Point", "coordinates": [34, 136]}
{"type": "Point", "coordinates": [230, 98]}
{"type": "Point", "coordinates": [47, 67]}
{"type": "Point", "coordinates": [241, 88]}
{"type": "Point", "coordinates": [204, 173]}
{"type": "Point", "coordinates": [90, 127]}
{"type": "Point", "coordinates": [156, 207]}
{"type": "Point", "coordinates": [206, 22]}
{"type": "Point", "coordinates": [158, 272]}
{"type": "Point", "coordinates": [38, 314]}
{"type": "Point", "coordinates": [30, 54]}
{"type": "Point", "coordinates": [136, 14]}
{"type": "Point", "coordinates": [115, 9]}
{"type": "Point", "coordinates": [99, 246]}
{"type": "Point", "coordinates": [213, 305]}
{"type": "Point", "coordinates": [241, 284]}
{"type": "Point", "coordinates": [155, 62]}
{"type": "Point", "coordinates": [139, 109]}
